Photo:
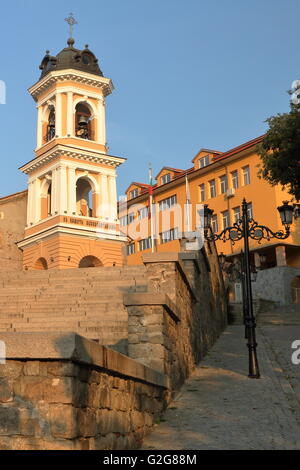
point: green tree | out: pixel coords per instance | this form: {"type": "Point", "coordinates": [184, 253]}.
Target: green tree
{"type": "Point", "coordinates": [280, 150]}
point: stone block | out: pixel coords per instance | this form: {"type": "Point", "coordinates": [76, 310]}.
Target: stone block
{"type": "Point", "coordinates": [11, 369]}
{"type": "Point", "coordinates": [34, 422]}
{"type": "Point", "coordinates": [153, 338]}
{"type": "Point", "coordinates": [94, 377]}
{"type": "Point", "coordinates": [116, 400]}
{"type": "Point", "coordinates": [50, 390]}
{"type": "Point", "coordinates": [104, 442]}
{"type": "Point", "coordinates": [105, 398]}
{"type": "Point", "coordinates": [87, 422]}
{"type": "Point", "coordinates": [85, 444]}
{"type": "Point", "coordinates": [6, 390]}
{"type": "Point", "coordinates": [9, 420]}
{"type": "Point", "coordinates": [31, 368]}
{"type": "Point", "coordinates": [64, 421]}
{"type": "Point", "coordinates": [111, 421]}
{"type": "Point", "coordinates": [80, 396]}
{"type": "Point", "coordinates": [137, 420]}
{"type": "Point", "coordinates": [139, 350]}
{"type": "Point", "coordinates": [67, 369]}
{"type": "Point", "coordinates": [93, 399]}
{"type": "Point", "coordinates": [134, 339]}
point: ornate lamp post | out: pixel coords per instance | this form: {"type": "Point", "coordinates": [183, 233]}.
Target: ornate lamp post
{"type": "Point", "coordinates": [245, 228]}
{"type": "Point", "coordinates": [236, 272]}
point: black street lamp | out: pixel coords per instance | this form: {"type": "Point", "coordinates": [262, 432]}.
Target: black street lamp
{"type": "Point", "coordinates": [236, 272]}
{"type": "Point", "coordinates": [245, 228]}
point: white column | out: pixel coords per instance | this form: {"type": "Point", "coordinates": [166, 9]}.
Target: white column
{"type": "Point", "coordinates": [61, 188]}
{"type": "Point", "coordinates": [36, 200]}
{"type": "Point", "coordinates": [112, 188]}
{"type": "Point", "coordinates": [101, 127]}
{"type": "Point", "coordinates": [58, 115]}
{"type": "Point", "coordinates": [29, 203]}
{"type": "Point", "coordinates": [53, 192]}
{"type": "Point", "coordinates": [104, 197]}
{"type": "Point", "coordinates": [71, 191]}
{"type": "Point", "coordinates": [70, 131]}
{"type": "Point", "coordinates": [39, 135]}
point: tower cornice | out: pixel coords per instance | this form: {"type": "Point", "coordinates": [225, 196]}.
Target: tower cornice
{"type": "Point", "coordinates": [76, 76]}
{"type": "Point", "coordinates": [71, 152]}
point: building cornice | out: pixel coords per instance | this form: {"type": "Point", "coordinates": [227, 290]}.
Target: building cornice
{"type": "Point", "coordinates": [64, 229]}
{"type": "Point", "coordinates": [73, 152]}
{"type": "Point", "coordinates": [73, 75]}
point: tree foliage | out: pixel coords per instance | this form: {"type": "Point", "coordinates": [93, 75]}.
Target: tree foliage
{"type": "Point", "coordinates": [280, 151]}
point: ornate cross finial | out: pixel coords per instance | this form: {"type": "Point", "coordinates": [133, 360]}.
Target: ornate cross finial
{"type": "Point", "coordinates": [71, 21]}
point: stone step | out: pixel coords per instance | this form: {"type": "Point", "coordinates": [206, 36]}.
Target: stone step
{"type": "Point", "coordinates": [73, 273]}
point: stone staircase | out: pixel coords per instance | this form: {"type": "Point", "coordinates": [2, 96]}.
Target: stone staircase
{"type": "Point", "coordinates": [86, 301]}
{"type": "Point", "coordinates": [280, 315]}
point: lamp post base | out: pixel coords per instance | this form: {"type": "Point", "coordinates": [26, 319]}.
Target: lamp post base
{"type": "Point", "coordinates": [253, 363]}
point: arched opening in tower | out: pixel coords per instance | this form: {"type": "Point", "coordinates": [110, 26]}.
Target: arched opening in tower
{"type": "Point", "coordinates": [84, 122]}
{"type": "Point", "coordinates": [90, 262]}
{"type": "Point", "coordinates": [50, 134]}
{"type": "Point", "coordinates": [41, 264]}
{"type": "Point", "coordinates": [84, 199]}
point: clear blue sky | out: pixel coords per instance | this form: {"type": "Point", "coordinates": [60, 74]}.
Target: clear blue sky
{"type": "Point", "coordinates": [187, 74]}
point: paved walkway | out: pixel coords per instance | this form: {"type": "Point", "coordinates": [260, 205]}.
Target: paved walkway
{"type": "Point", "coordinates": [219, 407]}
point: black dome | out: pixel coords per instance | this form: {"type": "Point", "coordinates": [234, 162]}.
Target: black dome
{"type": "Point", "coordinates": [71, 58]}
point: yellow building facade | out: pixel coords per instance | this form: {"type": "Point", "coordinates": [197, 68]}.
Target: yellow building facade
{"type": "Point", "coordinates": [220, 180]}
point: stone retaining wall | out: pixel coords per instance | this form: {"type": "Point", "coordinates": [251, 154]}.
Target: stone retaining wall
{"type": "Point", "coordinates": [71, 393]}
{"type": "Point", "coordinates": [171, 328]}
{"type": "Point", "coordinates": [274, 284]}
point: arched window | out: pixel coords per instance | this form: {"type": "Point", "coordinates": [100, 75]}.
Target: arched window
{"type": "Point", "coordinates": [51, 125]}
{"type": "Point", "coordinates": [83, 122]}
{"type": "Point", "coordinates": [84, 200]}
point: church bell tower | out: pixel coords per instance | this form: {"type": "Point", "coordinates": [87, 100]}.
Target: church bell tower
{"type": "Point", "coordinates": [72, 197]}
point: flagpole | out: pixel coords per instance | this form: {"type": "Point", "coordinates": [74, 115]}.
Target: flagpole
{"type": "Point", "coordinates": [151, 207]}
{"type": "Point", "coordinates": [188, 200]}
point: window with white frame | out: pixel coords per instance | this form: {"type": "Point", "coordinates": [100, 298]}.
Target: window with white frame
{"type": "Point", "coordinates": [166, 178]}
{"type": "Point", "coordinates": [134, 193]}
{"type": "Point", "coordinates": [169, 235]}
{"type": "Point", "coordinates": [130, 249]}
{"type": "Point", "coordinates": [235, 179]}
{"type": "Point", "coordinates": [203, 161]}
{"type": "Point", "coordinates": [126, 219]}
{"type": "Point", "coordinates": [130, 217]}
{"type": "Point", "coordinates": [236, 213]}
{"type": "Point", "coordinates": [123, 221]}
{"type": "Point", "coordinates": [225, 219]}
{"type": "Point", "coordinates": [202, 192]}
{"type": "Point", "coordinates": [214, 223]}
{"type": "Point", "coordinates": [223, 184]}
{"type": "Point", "coordinates": [212, 188]}
{"type": "Point", "coordinates": [246, 175]}
{"type": "Point", "coordinates": [167, 203]}
{"type": "Point", "coordinates": [143, 213]}
{"type": "Point", "coordinates": [145, 244]}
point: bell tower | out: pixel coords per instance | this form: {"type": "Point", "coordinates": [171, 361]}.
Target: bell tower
{"type": "Point", "coordinates": [72, 196]}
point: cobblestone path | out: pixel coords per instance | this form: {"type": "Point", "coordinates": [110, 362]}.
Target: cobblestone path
{"type": "Point", "coordinates": [219, 407]}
